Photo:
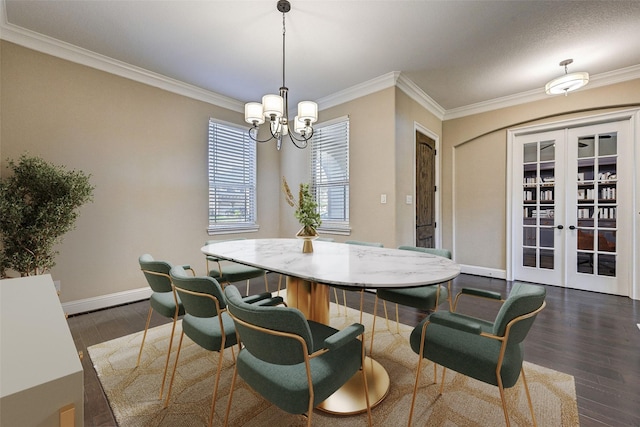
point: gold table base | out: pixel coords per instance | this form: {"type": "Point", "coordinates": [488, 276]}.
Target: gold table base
{"type": "Point", "coordinates": [313, 300]}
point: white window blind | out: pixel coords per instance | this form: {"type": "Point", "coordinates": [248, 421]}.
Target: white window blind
{"type": "Point", "coordinates": [232, 179]}
{"type": "Point", "coordinates": [330, 174]}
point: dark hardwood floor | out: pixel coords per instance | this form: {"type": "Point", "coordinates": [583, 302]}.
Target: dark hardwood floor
{"type": "Point", "coordinates": [592, 336]}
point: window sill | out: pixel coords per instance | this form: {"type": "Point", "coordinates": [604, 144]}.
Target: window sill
{"type": "Point", "coordinates": [232, 229]}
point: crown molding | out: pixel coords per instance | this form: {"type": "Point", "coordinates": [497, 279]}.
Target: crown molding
{"type": "Point", "coordinates": [59, 49]}
{"type": "Point", "coordinates": [394, 78]}
{"type": "Point", "coordinates": [358, 91]}
{"type": "Point", "coordinates": [418, 95]}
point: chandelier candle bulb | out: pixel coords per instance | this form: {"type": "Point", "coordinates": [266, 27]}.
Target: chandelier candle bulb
{"type": "Point", "coordinates": [253, 113]}
{"type": "Point", "coordinates": [273, 106]}
{"type": "Point", "coordinates": [308, 110]}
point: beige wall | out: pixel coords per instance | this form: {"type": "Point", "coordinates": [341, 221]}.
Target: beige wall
{"type": "Point", "coordinates": [474, 167]}
{"type": "Point", "coordinates": [371, 165]}
{"type": "Point", "coordinates": [146, 151]}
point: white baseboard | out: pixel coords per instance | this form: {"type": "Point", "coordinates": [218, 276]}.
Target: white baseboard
{"type": "Point", "coordinates": [105, 301]}
{"type": "Point", "coordinates": [483, 271]}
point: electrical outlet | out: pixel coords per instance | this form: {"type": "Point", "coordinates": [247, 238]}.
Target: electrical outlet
{"type": "Point", "coordinates": [409, 199]}
{"type": "Point", "coordinates": [383, 198]}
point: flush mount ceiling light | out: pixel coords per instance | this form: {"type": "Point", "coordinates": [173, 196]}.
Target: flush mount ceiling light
{"type": "Point", "coordinates": [275, 108]}
{"type": "Point", "coordinates": [568, 82]}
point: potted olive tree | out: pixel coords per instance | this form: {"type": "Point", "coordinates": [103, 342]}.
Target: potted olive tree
{"type": "Point", "coordinates": [39, 203]}
{"type": "Point", "coordinates": [306, 213]}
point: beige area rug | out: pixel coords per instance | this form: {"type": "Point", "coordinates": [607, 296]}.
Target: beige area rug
{"type": "Point", "coordinates": [133, 392]}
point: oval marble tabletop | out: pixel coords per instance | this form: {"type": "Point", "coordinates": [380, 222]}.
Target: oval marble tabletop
{"type": "Point", "coordinates": [338, 263]}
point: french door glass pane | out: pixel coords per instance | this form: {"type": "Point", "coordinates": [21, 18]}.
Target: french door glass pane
{"type": "Point", "coordinates": [597, 204]}
{"type": "Point", "coordinates": [538, 204]}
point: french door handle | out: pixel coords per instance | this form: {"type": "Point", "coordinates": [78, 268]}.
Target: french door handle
{"type": "Point", "coordinates": [560, 227]}
{"type": "Point", "coordinates": [572, 227]}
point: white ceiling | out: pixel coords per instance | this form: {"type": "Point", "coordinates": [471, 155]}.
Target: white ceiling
{"type": "Point", "coordinates": [460, 53]}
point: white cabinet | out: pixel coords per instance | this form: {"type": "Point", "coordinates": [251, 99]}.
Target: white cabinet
{"type": "Point", "coordinates": [40, 371]}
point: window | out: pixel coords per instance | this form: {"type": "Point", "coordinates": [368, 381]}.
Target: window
{"type": "Point", "coordinates": [232, 179]}
{"type": "Point", "coordinates": [330, 174]}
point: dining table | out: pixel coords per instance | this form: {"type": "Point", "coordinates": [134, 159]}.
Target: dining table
{"type": "Point", "coordinates": [310, 276]}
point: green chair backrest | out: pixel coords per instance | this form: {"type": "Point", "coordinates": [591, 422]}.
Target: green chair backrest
{"type": "Point", "coordinates": [433, 251]}
{"type": "Point", "coordinates": [197, 305]}
{"type": "Point", "coordinates": [358, 242]}
{"type": "Point", "coordinates": [523, 298]}
{"type": "Point", "coordinates": [268, 347]}
{"type": "Point", "coordinates": [157, 282]}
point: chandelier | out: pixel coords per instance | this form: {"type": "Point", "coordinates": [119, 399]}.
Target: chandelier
{"type": "Point", "coordinates": [275, 108]}
{"type": "Point", "coordinates": [568, 82]}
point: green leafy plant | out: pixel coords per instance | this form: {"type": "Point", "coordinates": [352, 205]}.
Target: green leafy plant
{"type": "Point", "coordinates": [306, 207]}
{"type": "Point", "coordinates": [39, 203]}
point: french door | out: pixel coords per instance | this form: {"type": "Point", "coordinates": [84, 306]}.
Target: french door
{"type": "Point", "coordinates": [571, 211]}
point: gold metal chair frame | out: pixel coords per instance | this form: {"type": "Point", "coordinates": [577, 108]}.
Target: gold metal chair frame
{"type": "Point", "coordinates": [220, 352]}
{"type": "Point", "coordinates": [223, 284]}
{"type": "Point", "coordinates": [504, 339]}
{"type": "Point", "coordinates": [173, 327]}
{"type": "Point", "coordinates": [307, 358]}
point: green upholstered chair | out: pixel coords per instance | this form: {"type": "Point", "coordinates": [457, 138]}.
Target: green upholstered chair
{"type": "Point", "coordinates": [206, 320]}
{"type": "Point", "coordinates": [426, 298]}
{"type": "Point", "coordinates": [163, 300]}
{"type": "Point", "coordinates": [491, 352]}
{"type": "Point", "coordinates": [226, 272]}
{"type": "Point", "coordinates": [350, 289]}
{"type": "Point", "coordinates": [294, 363]}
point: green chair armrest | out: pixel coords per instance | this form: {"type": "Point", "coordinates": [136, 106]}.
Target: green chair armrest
{"type": "Point", "coordinates": [252, 299]}
{"type": "Point", "coordinates": [344, 336]}
{"type": "Point", "coordinates": [270, 302]}
{"type": "Point", "coordinates": [186, 267]}
{"type": "Point", "coordinates": [453, 321]}
{"type": "Point", "coordinates": [481, 293]}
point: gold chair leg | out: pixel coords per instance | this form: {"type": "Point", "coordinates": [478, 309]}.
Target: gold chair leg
{"type": "Point", "coordinates": [415, 389]}
{"type": "Point", "coordinates": [233, 383]}
{"type": "Point", "coordinates": [373, 326]}
{"type": "Point", "coordinates": [504, 403]}
{"type": "Point", "coordinates": [386, 315]}
{"type": "Point", "coordinates": [344, 299]}
{"type": "Point", "coordinates": [166, 402]}
{"type": "Point", "coordinates": [166, 364]}
{"type": "Point", "coordinates": [217, 383]}
{"type": "Point", "coordinates": [144, 336]}
{"type": "Point", "coordinates": [364, 381]}
{"type": "Point", "coordinates": [397, 320]}
{"type": "Point", "coordinates": [444, 371]}
{"type": "Point", "coordinates": [526, 389]}
{"type": "Point", "coordinates": [335, 294]}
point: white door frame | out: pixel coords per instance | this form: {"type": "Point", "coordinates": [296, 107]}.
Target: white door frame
{"type": "Point", "coordinates": [633, 116]}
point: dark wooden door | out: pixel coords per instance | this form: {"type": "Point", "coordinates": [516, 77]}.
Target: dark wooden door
{"type": "Point", "coordinates": [425, 191]}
